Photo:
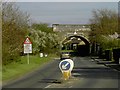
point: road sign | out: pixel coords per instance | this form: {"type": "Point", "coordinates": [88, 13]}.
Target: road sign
{"type": "Point", "coordinates": [27, 41]}
{"type": "Point", "coordinates": [27, 46]}
{"type": "Point", "coordinates": [71, 63]}
{"type": "Point", "coordinates": [65, 65]}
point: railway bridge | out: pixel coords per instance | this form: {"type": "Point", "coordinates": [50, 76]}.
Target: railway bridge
{"type": "Point", "coordinates": [74, 37]}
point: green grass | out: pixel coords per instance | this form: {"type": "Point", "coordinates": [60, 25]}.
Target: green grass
{"type": "Point", "coordinates": [17, 69]}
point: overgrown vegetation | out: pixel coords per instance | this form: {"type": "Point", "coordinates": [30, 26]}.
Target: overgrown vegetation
{"type": "Point", "coordinates": [14, 30]}
{"type": "Point", "coordinates": [44, 39]}
{"type": "Point", "coordinates": [44, 27]}
{"type": "Point", "coordinates": [104, 26]}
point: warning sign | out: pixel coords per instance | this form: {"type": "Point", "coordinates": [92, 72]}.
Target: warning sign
{"type": "Point", "coordinates": [27, 41]}
{"type": "Point", "coordinates": [27, 46]}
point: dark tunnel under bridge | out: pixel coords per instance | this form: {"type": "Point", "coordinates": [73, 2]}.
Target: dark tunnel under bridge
{"type": "Point", "coordinates": [78, 44]}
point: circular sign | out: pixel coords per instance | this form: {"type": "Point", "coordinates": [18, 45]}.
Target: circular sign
{"type": "Point", "coordinates": [65, 65]}
{"type": "Point", "coordinates": [71, 64]}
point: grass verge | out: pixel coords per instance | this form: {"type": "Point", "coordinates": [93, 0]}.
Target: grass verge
{"type": "Point", "coordinates": [17, 69]}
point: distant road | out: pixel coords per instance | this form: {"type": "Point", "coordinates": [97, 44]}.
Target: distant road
{"type": "Point", "coordinates": [86, 74]}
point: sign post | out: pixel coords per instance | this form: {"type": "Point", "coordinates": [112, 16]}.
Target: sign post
{"type": "Point", "coordinates": [28, 60]}
{"type": "Point", "coordinates": [27, 48]}
{"type": "Point", "coordinates": [66, 67]}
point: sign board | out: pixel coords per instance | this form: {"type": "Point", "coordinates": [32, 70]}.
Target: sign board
{"type": "Point", "coordinates": [27, 46]}
{"type": "Point", "coordinates": [71, 63]}
{"type": "Point", "coordinates": [66, 65]}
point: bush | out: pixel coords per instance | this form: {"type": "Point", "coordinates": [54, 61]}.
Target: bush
{"type": "Point", "coordinates": [44, 42]}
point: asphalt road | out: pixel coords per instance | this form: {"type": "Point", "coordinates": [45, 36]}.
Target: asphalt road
{"type": "Point", "coordinates": [86, 74]}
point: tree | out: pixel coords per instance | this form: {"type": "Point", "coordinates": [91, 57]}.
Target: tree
{"type": "Point", "coordinates": [44, 39]}
{"type": "Point", "coordinates": [42, 27]}
{"type": "Point", "coordinates": [14, 30]}
{"type": "Point", "coordinates": [103, 23]}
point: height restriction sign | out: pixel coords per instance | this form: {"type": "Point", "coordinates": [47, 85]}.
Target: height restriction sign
{"type": "Point", "coordinates": [27, 46]}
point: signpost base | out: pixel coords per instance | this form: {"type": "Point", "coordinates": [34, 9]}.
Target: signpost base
{"type": "Point", "coordinates": [65, 75]}
{"type": "Point", "coordinates": [69, 73]}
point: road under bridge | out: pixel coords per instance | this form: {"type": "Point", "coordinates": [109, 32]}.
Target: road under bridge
{"type": "Point", "coordinates": [75, 37]}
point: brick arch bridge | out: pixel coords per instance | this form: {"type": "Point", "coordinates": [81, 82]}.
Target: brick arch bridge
{"type": "Point", "coordinates": [74, 37]}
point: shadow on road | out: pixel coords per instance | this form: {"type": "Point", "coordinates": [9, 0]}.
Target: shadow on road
{"type": "Point", "coordinates": [95, 72]}
{"type": "Point", "coordinates": [50, 81]}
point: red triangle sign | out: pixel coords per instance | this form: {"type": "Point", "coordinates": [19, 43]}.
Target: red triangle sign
{"type": "Point", "coordinates": [27, 41]}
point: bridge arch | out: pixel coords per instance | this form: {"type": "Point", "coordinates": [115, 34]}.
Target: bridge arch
{"type": "Point", "coordinates": [78, 43]}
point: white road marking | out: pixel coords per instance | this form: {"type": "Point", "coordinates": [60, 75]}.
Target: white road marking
{"type": "Point", "coordinates": [48, 86]}
{"type": "Point", "coordinates": [76, 74]}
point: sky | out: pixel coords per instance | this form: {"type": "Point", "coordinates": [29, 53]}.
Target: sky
{"type": "Point", "coordinates": [64, 12]}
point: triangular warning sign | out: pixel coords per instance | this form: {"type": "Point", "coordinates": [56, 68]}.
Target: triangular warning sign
{"type": "Point", "coordinates": [27, 41]}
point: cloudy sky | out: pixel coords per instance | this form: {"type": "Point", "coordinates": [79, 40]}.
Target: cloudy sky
{"type": "Point", "coordinates": [64, 12]}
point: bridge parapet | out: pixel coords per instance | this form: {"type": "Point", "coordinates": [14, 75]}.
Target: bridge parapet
{"type": "Point", "coordinates": [75, 34]}
{"type": "Point", "coordinates": [70, 27]}
{"type": "Point", "coordinates": [68, 30]}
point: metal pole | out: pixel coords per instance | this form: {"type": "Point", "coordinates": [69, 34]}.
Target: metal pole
{"type": "Point", "coordinates": [28, 61]}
